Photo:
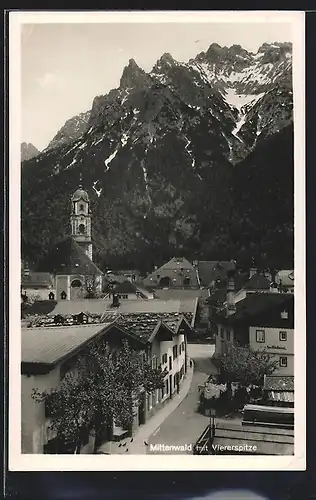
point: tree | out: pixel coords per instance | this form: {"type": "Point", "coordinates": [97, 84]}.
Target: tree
{"type": "Point", "coordinates": [103, 387]}
{"type": "Point", "coordinates": [90, 286]}
{"type": "Point", "coordinates": [245, 366]}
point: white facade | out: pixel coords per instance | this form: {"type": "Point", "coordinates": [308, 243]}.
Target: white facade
{"type": "Point", "coordinates": [276, 341]}
{"type": "Point", "coordinates": [173, 364]}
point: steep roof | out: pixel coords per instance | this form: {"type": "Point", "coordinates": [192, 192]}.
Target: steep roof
{"type": "Point", "coordinates": [36, 279]}
{"type": "Point", "coordinates": [258, 282]}
{"type": "Point", "coordinates": [176, 263]}
{"type": "Point", "coordinates": [211, 270]}
{"type": "Point", "coordinates": [50, 345]}
{"type": "Point", "coordinates": [90, 306]}
{"type": "Point", "coordinates": [261, 309]}
{"type": "Point", "coordinates": [67, 257]}
{"type": "Point", "coordinates": [145, 325]}
{"type": "Point", "coordinates": [174, 267]}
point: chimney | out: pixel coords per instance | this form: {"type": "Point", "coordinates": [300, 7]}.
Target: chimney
{"type": "Point", "coordinates": [115, 300]}
{"type": "Point", "coordinates": [230, 300]}
{"type": "Point", "coordinates": [252, 272]}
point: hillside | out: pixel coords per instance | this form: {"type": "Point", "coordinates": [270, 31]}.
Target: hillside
{"type": "Point", "coordinates": [172, 166]}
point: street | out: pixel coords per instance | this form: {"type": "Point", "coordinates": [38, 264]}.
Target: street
{"type": "Point", "coordinates": [185, 424]}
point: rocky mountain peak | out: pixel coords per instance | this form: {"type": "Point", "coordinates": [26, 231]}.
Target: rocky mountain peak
{"type": "Point", "coordinates": [28, 151]}
{"type": "Point", "coordinates": [133, 76]}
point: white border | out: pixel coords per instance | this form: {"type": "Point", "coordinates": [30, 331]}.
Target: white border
{"type": "Point", "coordinates": [19, 462]}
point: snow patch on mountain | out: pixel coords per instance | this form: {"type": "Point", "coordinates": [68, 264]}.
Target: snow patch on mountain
{"type": "Point", "coordinates": [240, 100]}
{"type": "Point", "coordinates": [97, 191]}
{"type": "Point", "coordinates": [109, 159]}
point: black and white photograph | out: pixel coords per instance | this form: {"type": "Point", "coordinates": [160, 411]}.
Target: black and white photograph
{"type": "Point", "coordinates": [156, 172]}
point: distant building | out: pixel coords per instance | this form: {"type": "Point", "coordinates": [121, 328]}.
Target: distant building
{"type": "Point", "coordinates": [35, 285]}
{"type": "Point", "coordinates": [285, 280]}
{"type": "Point", "coordinates": [260, 321]}
{"type": "Point", "coordinates": [211, 271]}
{"type": "Point", "coordinates": [70, 260]}
{"type": "Point", "coordinates": [176, 273]}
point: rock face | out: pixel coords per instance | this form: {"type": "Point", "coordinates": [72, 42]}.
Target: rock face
{"type": "Point", "coordinates": [73, 128]}
{"type": "Point", "coordinates": [28, 151]}
{"type": "Point", "coordinates": [162, 157]}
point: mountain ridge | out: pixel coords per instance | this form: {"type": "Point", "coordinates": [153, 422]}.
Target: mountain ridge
{"type": "Point", "coordinates": [160, 157]}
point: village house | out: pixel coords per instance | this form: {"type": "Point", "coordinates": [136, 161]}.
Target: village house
{"type": "Point", "coordinates": [45, 354]}
{"type": "Point", "coordinates": [262, 321]}
{"type": "Point", "coordinates": [178, 272]}
{"type": "Point", "coordinates": [70, 260]}
{"type": "Point", "coordinates": [211, 271]}
{"type": "Point", "coordinates": [285, 280]}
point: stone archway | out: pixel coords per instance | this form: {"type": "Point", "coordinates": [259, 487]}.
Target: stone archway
{"type": "Point", "coordinates": [76, 283]}
{"type": "Point", "coordinates": [165, 282]}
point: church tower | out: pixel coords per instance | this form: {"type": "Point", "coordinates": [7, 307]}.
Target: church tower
{"type": "Point", "coordinates": [80, 220]}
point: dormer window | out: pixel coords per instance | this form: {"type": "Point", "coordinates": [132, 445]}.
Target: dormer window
{"type": "Point", "coordinates": [284, 315]}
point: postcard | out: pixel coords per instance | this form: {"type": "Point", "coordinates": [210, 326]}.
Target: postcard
{"type": "Point", "coordinates": [157, 166]}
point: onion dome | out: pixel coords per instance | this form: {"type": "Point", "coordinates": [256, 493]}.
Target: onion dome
{"type": "Point", "coordinates": [80, 194]}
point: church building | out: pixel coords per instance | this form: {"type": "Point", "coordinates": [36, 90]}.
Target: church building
{"type": "Point", "coordinates": [70, 260]}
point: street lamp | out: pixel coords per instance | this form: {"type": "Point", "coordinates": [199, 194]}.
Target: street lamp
{"type": "Point", "coordinates": [211, 429]}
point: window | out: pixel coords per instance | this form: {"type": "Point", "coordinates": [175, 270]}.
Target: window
{"type": "Point", "coordinates": [167, 386]}
{"type": "Point", "coordinates": [260, 336]}
{"type": "Point", "coordinates": [283, 336]}
{"type": "Point", "coordinates": [180, 350]}
{"type": "Point", "coordinates": [175, 351]}
{"type": "Point", "coordinates": [284, 314]}
{"type": "Point", "coordinates": [170, 363]}
{"type": "Point", "coordinates": [82, 206]}
{"type": "Point", "coordinates": [283, 361]}
{"type": "Point", "coordinates": [228, 335]}
{"type": "Point", "coordinates": [222, 332]}
{"type": "Point", "coordinates": [81, 228]}
{"type": "Point", "coordinates": [154, 362]}
{"type": "Point", "coordinates": [164, 359]}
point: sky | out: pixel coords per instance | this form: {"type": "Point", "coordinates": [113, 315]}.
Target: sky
{"type": "Point", "coordinates": [64, 66]}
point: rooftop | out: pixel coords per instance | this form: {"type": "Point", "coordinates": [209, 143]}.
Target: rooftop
{"type": "Point", "coordinates": [211, 270]}
{"type": "Point", "coordinates": [100, 306]}
{"type": "Point", "coordinates": [35, 279]}
{"type": "Point", "coordinates": [92, 306]}
{"type": "Point", "coordinates": [50, 345]}
{"type": "Point", "coordinates": [258, 282]}
{"type": "Point", "coordinates": [263, 306]}
{"type": "Point", "coordinates": [67, 257]}
{"type": "Point", "coordinates": [144, 325]}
